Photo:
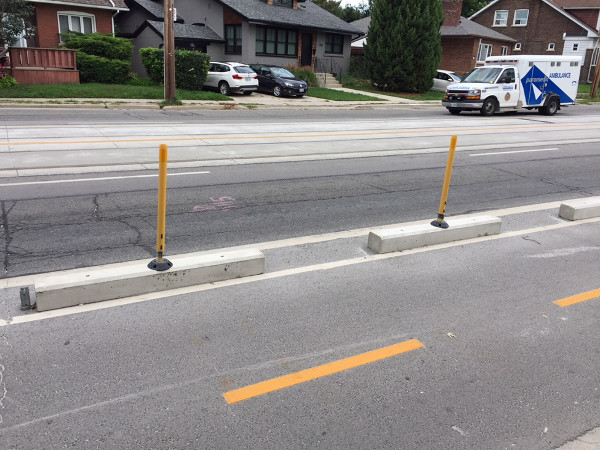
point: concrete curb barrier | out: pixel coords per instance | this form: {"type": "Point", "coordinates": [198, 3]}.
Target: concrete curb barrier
{"type": "Point", "coordinates": [580, 208]}
{"type": "Point", "coordinates": [422, 235]}
{"type": "Point", "coordinates": [114, 281]}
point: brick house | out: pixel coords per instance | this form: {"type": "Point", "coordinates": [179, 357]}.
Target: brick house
{"type": "Point", "coordinates": [85, 16]}
{"type": "Point", "coordinates": [542, 27]}
{"type": "Point", "coordinates": [464, 43]}
{"type": "Point", "coordinates": [277, 32]}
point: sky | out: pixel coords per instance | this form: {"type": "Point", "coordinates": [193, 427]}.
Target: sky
{"type": "Point", "coordinates": [352, 2]}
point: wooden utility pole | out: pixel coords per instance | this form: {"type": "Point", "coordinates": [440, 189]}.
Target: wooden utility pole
{"type": "Point", "coordinates": [594, 88]}
{"type": "Point", "coordinates": [169, 52]}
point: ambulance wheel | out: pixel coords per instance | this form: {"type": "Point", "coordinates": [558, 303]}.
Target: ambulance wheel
{"type": "Point", "coordinates": [551, 108]}
{"type": "Point", "coordinates": [489, 107]}
{"type": "Point", "coordinates": [454, 110]}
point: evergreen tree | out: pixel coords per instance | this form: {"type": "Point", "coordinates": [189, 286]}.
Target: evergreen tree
{"type": "Point", "coordinates": [404, 46]}
{"type": "Point", "coordinates": [15, 19]}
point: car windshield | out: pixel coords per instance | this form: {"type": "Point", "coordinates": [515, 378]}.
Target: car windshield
{"type": "Point", "coordinates": [243, 69]}
{"type": "Point", "coordinates": [455, 76]}
{"type": "Point", "coordinates": [483, 75]}
{"type": "Point", "coordinates": [281, 72]}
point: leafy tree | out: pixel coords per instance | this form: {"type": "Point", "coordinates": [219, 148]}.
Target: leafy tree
{"type": "Point", "coordinates": [15, 18]}
{"type": "Point", "coordinates": [351, 13]}
{"type": "Point", "coordinates": [333, 6]}
{"type": "Point", "coordinates": [404, 47]}
{"type": "Point", "coordinates": [470, 7]}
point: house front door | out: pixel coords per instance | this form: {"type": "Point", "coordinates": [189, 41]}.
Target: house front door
{"type": "Point", "coordinates": [306, 57]}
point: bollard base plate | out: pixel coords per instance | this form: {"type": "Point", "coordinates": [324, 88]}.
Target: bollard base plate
{"type": "Point", "coordinates": [440, 223]}
{"type": "Point", "coordinates": [155, 264]}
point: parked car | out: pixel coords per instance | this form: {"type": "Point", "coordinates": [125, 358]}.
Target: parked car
{"type": "Point", "coordinates": [228, 77]}
{"type": "Point", "coordinates": [443, 79]}
{"type": "Point", "coordinates": [279, 81]}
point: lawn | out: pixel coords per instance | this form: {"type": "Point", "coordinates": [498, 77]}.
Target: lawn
{"type": "Point", "coordinates": [97, 90]}
{"type": "Point", "coordinates": [429, 95]}
{"type": "Point", "coordinates": [340, 96]}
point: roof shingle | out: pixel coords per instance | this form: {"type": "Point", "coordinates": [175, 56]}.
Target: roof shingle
{"type": "Point", "coordinates": [308, 15]}
{"type": "Point", "coordinates": [185, 31]}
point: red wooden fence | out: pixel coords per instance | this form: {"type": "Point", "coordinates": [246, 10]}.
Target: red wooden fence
{"type": "Point", "coordinates": [43, 65]}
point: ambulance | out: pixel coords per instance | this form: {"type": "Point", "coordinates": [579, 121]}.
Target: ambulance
{"type": "Point", "coordinates": [510, 83]}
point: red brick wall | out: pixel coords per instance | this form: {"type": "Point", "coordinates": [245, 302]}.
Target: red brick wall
{"type": "Point", "coordinates": [587, 16]}
{"type": "Point", "coordinates": [545, 25]}
{"type": "Point", "coordinates": [452, 9]}
{"type": "Point", "coordinates": [460, 54]}
{"type": "Point", "coordinates": [47, 22]}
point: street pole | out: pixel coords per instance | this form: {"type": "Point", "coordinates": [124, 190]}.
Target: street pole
{"type": "Point", "coordinates": [440, 222]}
{"type": "Point", "coordinates": [169, 52]}
{"type": "Point", "coordinates": [161, 263]}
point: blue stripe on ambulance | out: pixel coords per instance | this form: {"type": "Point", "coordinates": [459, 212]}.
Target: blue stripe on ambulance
{"type": "Point", "coordinates": [535, 83]}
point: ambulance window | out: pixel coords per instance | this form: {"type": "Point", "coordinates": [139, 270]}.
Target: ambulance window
{"type": "Point", "coordinates": [508, 76]}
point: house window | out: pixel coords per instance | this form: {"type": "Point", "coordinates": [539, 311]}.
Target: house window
{"type": "Point", "coordinates": [521, 16]}
{"type": "Point", "coordinates": [504, 50]}
{"type": "Point", "coordinates": [276, 41]}
{"type": "Point", "coordinates": [575, 47]}
{"type": "Point", "coordinates": [517, 46]}
{"type": "Point", "coordinates": [501, 18]}
{"type": "Point", "coordinates": [485, 50]}
{"type": "Point", "coordinates": [551, 47]}
{"type": "Point", "coordinates": [76, 22]}
{"type": "Point", "coordinates": [334, 43]}
{"type": "Point", "coordinates": [286, 3]}
{"type": "Point", "coordinates": [233, 39]}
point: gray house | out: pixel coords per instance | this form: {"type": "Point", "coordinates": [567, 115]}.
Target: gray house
{"type": "Point", "coordinates": [281, 32]}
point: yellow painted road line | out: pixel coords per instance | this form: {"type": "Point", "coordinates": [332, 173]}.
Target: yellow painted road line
{"type": "Point", "coordinates": [320, 371]}
{"type": "Point", "coordinates": [578, 298]}
{"type": "Point", "coordinates": [167, 139]}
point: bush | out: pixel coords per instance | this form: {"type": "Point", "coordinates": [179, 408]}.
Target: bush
{"type": "Point", "coordinates": [191, 67]}
{"type": "Point", "coordinates": [96, 69]}
{"type": "Point", "coordinates": [7, 81]}
{"type": "Point", "coordinates": [357, 67]}
{"type": "Point", "coordinates": [133, 79]}
{"type": "Point", "coordinates": [305, 73]}
{"type": "Point", "coordinates": [351, 81]}
{"type": "Point", "coordinates": [104, 45]}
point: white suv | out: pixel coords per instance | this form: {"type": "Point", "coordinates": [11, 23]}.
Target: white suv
{"type": "Point", "coordinates": [230, 77]}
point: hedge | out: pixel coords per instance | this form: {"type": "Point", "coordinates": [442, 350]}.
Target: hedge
{"type": "Point", "coordinates": [191, 67]}
{"type": "Point", "coordinates": [96, 69]}
{"type": "Point", "coordinates": [104, 45]}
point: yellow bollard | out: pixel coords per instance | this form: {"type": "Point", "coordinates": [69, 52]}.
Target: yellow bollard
{"type": "Point", "coordinates": [440, 222]}
{"type": "Point", "coordinates": [161, 263]}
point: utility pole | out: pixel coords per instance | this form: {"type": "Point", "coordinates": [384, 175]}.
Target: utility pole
{"type": "Point", "coordinates": [169, 52]}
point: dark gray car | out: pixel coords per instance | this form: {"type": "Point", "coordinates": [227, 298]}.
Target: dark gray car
{"type": "Point", "coordinates": [278, 81]}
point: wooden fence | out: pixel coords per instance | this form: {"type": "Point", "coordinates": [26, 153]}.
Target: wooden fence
{"type": "Point", "coordinates": [43, 65]}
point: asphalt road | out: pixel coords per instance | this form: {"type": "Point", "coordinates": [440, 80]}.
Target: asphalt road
{"type": "Point", "coordinates": [499, 365]}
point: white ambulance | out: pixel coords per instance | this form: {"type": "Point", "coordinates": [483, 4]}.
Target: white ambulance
{"type": "Point", "coordinates": [509, 83]}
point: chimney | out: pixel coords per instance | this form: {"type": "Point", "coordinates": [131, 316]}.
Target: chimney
{"type": "Point", "coordinates": [452, 10]}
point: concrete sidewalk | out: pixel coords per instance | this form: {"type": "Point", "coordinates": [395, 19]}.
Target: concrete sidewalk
{"type": "Point", "coordinates": [239, 102]}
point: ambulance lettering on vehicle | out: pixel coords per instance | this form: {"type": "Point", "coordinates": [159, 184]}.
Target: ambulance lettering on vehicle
{"type": "Point", "coordinates": [509, 83]}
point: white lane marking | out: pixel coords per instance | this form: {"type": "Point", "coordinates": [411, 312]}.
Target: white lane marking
{"type": "Point", "coordinates": [34, 317]}
{"type": "Point", "coordinates": [80, 180]}
{"type": "Point", "coordinates": [516, 151]}
{"type": "Point", "coordinates": [564, 252]}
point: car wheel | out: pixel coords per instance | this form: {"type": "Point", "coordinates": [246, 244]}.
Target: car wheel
{"type": "Point", "coordinates": [247, 92]}
{"type": "Point", "coordinates": [277, 91]}
{"type": "Point", "coordinates": [224, 88]}
{"type": "Point", "coordinates": [489, 107]}
{"type": "Point", "coordinates": [551, 108]}
{"type": "Point", "coordinates": [454, 110]}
